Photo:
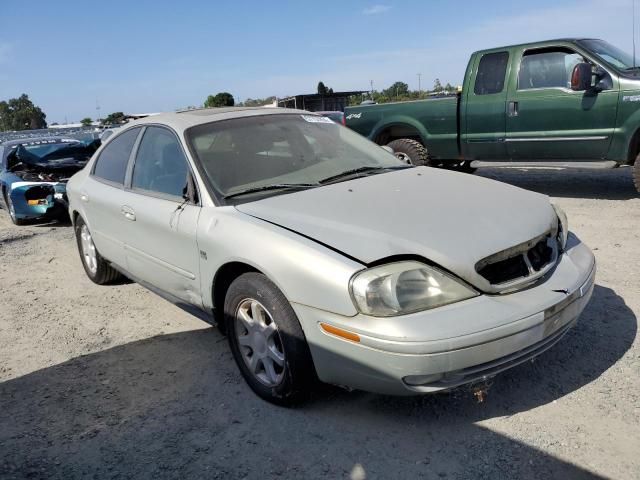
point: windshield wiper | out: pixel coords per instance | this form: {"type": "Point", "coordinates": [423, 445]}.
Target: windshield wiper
{"type": "Point", "coordinates": [275, 186]}
{"type": "Point", "coordinates": [358, 170]}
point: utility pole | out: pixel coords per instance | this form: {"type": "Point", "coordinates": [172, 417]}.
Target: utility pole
{"type": "Point", "coordinates": [97, 111]}
{"type": "Point", "coordinates": [633, 24]}
{"type": "Point", "coordinates": [419, 85]}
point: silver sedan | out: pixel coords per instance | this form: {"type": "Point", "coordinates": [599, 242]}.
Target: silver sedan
{"type": "Point", "coordinates": [322, 256]}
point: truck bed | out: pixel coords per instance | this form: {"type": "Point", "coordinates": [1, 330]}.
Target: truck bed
{"type": "Point", "coordinates": [434, 120]}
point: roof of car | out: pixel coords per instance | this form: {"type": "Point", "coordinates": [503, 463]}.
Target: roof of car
{"type": "Point", "coordinates": [184, 119]}
{"type": "Point", "coordinates": [49, 139]}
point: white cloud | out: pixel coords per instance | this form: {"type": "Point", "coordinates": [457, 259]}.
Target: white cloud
{"type": "Point", "coordinates": [376, 9]}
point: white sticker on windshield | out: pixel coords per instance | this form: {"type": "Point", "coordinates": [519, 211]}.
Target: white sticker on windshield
{"type": "Point", "coordinates": [316, 119]}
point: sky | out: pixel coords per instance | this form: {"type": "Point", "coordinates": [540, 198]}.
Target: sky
{"type": "Point", "coordinates": [159, 55]}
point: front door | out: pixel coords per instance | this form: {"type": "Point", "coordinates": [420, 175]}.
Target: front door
{"type": "Point", "coordinates": [162, 217]}
{"type": "Point", "coordinates": [547, 120]}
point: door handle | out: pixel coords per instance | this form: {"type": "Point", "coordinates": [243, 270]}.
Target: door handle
{"type": "Point", "coordinates": [512, 109]}
{"type": "Point", "coordinates": [128, 213]}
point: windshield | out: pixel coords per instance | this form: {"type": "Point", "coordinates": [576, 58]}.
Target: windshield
{"type": "Point", "coordinates": [268, 150]}
{"type": "Point", "coordinates": [608, 53]}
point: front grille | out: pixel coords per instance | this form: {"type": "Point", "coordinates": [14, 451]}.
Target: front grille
{"type": "Point", "coordinates": [522, 263]}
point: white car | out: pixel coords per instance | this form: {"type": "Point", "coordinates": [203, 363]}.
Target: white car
{"type": "Point", "coordinates": [323, 256]}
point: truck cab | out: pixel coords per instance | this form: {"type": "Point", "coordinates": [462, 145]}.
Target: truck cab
{"type": "Point", "coordinates": [567, 102]}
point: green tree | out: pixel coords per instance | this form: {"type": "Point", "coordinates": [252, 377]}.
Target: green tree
{"type": "Point", "coordinates": [222, 99]}
{"type": "Point", "coordinates": [397, 90]}
{"type": "Point", "coordinates": [322, 89]}
{"type": "Point", "coordinates": [86, 122]}
{"type": "Point", "coordinates": [21, 114]}
{"type": "Point", "coordinates": [437, 86]}
{"type": "Point", "coordinates": [114, 118]}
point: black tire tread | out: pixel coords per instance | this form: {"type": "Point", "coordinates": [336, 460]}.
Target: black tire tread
{"type": "Point", "coordinates": [415, 150]}
{"type": "Point", "coordinates": [105, 274]}
{"type": "Point", "coordinates": [301, 377]}
{"type": "Point", "coordinates": [636, 173]}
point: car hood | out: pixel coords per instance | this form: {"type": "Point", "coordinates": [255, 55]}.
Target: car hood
{"type": "Point", "coordinates": [451, 219]}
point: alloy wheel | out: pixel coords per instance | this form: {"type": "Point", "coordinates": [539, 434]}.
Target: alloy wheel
{"type": "Point", "coordinates": [89, 254]}
{"type": "Point", "coordinates": [259, 342]}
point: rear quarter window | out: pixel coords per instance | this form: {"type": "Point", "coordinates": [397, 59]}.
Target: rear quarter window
{"type": "Point", "coordinates": [112, 163]}
{"type": "Point", "coordinates": [492, 70]}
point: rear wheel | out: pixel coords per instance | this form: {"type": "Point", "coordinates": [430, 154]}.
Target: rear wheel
{"type": "Point", "coordinates": [97, 268]}
{"type": "Point", "coordinates": [267, 341]}
{"type": "Point", "coordinates": [410, 151]}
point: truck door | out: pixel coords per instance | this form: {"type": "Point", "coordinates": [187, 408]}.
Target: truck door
{"type": "Point", "coordinates": [546, 120]}
{"type": "Point", "coordinates": [483, 125]}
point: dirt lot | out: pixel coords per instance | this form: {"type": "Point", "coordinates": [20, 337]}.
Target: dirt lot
{"type": "Point", "coordinates": [114, 382]}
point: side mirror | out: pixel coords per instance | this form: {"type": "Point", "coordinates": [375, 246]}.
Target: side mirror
{"type": "Point", "coordinates": [388, 149]}
{"type": "Point", "coordinates": [581, 77]}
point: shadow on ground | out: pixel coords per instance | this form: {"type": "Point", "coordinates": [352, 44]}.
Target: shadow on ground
{"type": "Point", "coordinates": [175, 406]}
{"type": "Point", "coordinates": [616, 184]}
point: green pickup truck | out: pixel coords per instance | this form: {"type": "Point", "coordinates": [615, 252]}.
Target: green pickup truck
{"type": "Point", "coordinates": [568, 103]}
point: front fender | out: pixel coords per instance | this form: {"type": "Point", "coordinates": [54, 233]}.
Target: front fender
{"type": "Point", "coordinates": [304, 270]}
{"type": "Point", "coordinates": [623, 137]}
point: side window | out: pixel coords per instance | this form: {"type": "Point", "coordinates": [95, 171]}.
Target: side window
{"type": "Point", "coordinates": [547, 69]}
{"type": "Point", "coordinates": [160, 164]}
{"type": "Point", "coordinates": [112, 162]}
{"type": "Point", "coordinates": [491, 72]}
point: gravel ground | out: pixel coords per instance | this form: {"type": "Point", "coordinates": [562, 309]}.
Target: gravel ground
{"type": "Point", "coordinates": [114, 382]}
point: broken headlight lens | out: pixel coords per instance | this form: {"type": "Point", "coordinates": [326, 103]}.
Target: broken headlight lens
{"type": "Point", "coordinates": [563, 225]}
{"type": "Point", "coordinates": [405, 287]}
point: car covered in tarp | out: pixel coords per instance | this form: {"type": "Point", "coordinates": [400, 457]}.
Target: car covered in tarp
{"type": "Point", "coordinates": [34, 174]}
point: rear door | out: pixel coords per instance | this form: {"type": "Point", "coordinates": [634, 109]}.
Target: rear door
{"type": "Point", "coordinates": [546, 119]}
{"type": "Point", "coordinates": [483, 128]}
{"type": "Point", "coordinates": [161, 211]}
{"type": "Point", "coordinates": [104, 193]}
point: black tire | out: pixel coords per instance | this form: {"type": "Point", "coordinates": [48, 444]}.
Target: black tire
{"type": "Point", "coordinates": [298, 376]}
{"type": "Point", "coordinates": [12, 213]}
{"type": "Point", "coordinates": [410, 151]}
{"type": "Point", "coordinates": [103, 273]}
{"type": "Point", "coordinates": [636, 173]}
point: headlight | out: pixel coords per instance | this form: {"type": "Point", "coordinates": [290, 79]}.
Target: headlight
{"type": "Point", "coordinates": [563, 225]}
{"type": "Point", "coordinates": [405, 287]}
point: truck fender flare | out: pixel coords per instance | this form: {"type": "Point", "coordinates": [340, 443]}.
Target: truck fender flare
{"type": "Point", "coordinates": [399, 120]}
{"type": "Point", "coordinates": [631, 134]}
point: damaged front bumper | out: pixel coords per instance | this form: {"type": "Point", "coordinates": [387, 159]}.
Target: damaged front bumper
{"type": "Point", "coordinates": [457, 344]}
{"type": "Point", "coordinates": [39, 200]}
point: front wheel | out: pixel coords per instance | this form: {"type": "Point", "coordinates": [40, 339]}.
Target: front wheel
{"type": "Point", "coordinates": [410, 151]}
{"type": "Point", "coordinates": [12, 210]}
{"type": "Point", "coordinates": [636, 173]}
{"type": "Point", "coordinates": [267, 341]}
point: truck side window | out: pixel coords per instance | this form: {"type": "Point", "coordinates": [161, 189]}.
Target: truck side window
{"type": "Point", "coordinates": [491, 72]}
{"type": "Point", "coordinates": [550, 68]}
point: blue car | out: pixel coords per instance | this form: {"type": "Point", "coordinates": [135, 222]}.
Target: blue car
{"type": "Point", "coordinates": [34, 174]}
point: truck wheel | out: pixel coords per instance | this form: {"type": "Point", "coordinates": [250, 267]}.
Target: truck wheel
{"type": "Point", "coordinates": [636, 173]}
{"type": "Point", "coordinates": [267, 341]}
{"type": "Point", "coordinates": [410, 151]}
